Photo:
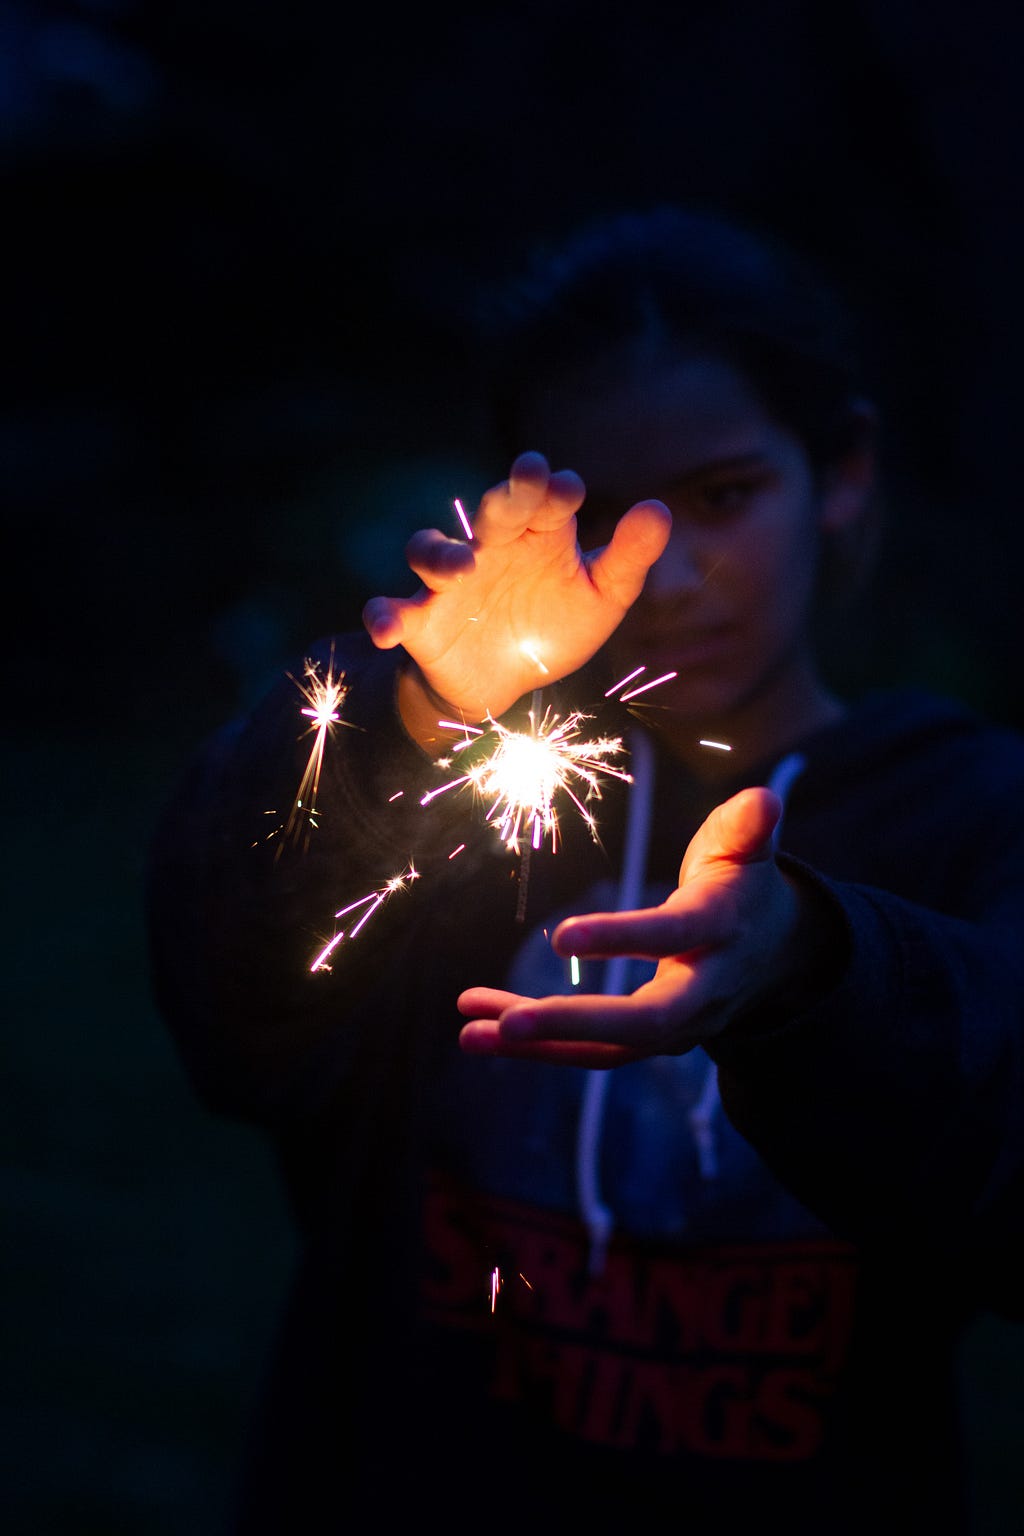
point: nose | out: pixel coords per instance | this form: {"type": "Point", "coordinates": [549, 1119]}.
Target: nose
{"type": "Point", "coordinates": [678, 569]}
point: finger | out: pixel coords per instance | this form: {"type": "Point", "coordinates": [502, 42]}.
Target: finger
{"type": "Point", "coordinates": [438, 561]}
{"type": "Point", "coordinates": [641, 1022]}
{"type": "Point", "coordinates": [565, 495]}
{"type": "Point", "coordinates": [620, 569]}
{"type": "Point", "coordinates": [486, 1002]}
{"type": "Point", "coordinates": [653, 933]}
{"type": "Point", "coordinates": [382, 620]}
{"type": "Point", "coordinates": [481, 1038]}
{"type": "Point", "coordinates": [506, 509]}
{"type": "Point", "coordinates": [739, 831]}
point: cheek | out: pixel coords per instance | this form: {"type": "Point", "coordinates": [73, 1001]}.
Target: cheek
{"type": "Point", "coordinates": [779, 567]}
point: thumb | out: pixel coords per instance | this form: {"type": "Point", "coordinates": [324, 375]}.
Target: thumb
{"type": "Point", "coordinates": [739, 831]}
{"type": "Point", "coordinates": [619, 570]}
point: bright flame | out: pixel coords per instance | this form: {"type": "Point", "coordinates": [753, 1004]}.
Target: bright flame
{"type": "Point", "coordinates": [526, 771]}
{"type": "Point", "coordinates": [324, 697]}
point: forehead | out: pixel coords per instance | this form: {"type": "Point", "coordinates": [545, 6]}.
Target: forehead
{"type": "Point", "coordinates": [647, 420]}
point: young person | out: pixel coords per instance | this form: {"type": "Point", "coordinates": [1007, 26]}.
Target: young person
{"type": "Point", "coordinates": [726, 1279]}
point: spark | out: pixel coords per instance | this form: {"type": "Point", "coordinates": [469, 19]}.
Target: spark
{"type": "Point", "coordinates": [525, 771]}
{"type": "Point", "coordinates": [666, 677]}
{"type": "Point", "coordinates": [324, 697]}
{"type": "Point", "coordinates": [370, 903]}
{"type": "Point", "coordinates": [498, 1284]}
{"type": "Point", "coordinates": [623, 681]}
{"type": "Point", "coordinates": [720, 746]}
{"type": "Point", "coordinates": [463, 519]}
{"type": "Point", "coordinates": [530, 652]}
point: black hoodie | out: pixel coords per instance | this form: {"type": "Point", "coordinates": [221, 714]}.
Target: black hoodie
{"type": "Point", "coordinates": [801, 1220]}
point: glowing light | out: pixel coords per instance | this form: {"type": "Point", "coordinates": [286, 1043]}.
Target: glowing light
{"type": "Point", "coordinates": [720, 746]}
{"type": "Point", "coordinates": [498, 1284]}
{"type": "Point", "coordinates": [666, 677]}
{"type": "Point", "coordinates": [366, 905]}
{"type": "Point", "coordinates": [529, 650]}
{"type": "Point", "coordinates": [623, 681]}
{"type": "Point", "coordinates": [324, 697]}
{"type": "Point", "coordinates": [463, 519]}
{"type": "Point", "coordinates": [574, 970]}
{"type": "Point", "coordinates": [525, 771]}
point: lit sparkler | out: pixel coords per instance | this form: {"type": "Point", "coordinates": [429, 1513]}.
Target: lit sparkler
{"type": "Point", "coordinates": [366, 906]}
{"type": "Point", "coordinates": [324, 697]}
{"type": "Point", "coordinates": [525, 771]}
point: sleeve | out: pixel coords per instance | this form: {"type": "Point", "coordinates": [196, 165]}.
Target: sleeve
{"type": "Point", "coordinates": [893, 1107]}
{"type": "Point", "coordinates": [237, 913]}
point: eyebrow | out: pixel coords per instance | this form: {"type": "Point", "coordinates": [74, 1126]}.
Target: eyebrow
{"type": "Point", "coordinates": [600, 502]}
{"type": "Point", "coordinates": [756, 459]}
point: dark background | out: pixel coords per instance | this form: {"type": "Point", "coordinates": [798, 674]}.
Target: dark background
{"type": "Point", "coordinates": [227, 401]}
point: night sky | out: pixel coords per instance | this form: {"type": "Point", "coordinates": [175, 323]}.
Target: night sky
{"type": "Point", "coordinates": [237, 237]}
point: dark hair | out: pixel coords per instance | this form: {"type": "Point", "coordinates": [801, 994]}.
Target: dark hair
{"type": "Point", "coordinates": [696, 279]}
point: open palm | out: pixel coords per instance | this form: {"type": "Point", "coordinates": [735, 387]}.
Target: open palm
{"type": "Point", "coordinates": [519, 605]}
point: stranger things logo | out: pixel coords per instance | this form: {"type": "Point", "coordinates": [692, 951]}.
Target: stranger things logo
{"type": "Point", "coordinates": [725, 1351]}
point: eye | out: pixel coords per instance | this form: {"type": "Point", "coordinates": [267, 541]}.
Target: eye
{"type": "Point", "coordinates": [723, 497]}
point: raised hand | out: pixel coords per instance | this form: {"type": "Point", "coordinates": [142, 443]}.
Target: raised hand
{"type": "Point", "coordinates": [735, 930]}
{"type": "Point", "coordinates": [519, 605]}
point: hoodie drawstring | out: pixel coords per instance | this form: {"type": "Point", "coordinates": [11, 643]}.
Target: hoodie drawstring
{"type": "Point", "coordinates": [597, 1216]}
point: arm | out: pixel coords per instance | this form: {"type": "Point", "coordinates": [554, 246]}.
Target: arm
{"type": "Point", "coordinates": [736, 936]}
{"type": "Point", "coordinates": [235, 920]}
{"type": "Point", "coordinates": [870, 1048]}
{"type": "Point", "coordinates": [517, 607]}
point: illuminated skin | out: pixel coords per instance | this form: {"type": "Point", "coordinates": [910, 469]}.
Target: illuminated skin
{"type": "Point", "coordinates": [728, 605]}
{"type": "Point", "coordinates": [518, 606]}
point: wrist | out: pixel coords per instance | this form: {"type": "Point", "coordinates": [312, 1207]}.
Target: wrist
{"type": "Point", "coordinates": [421, 708]}
{"type": "Point", "coordinates": [810, 963]}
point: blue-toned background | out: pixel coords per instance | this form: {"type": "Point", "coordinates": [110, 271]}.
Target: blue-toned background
{"type": "Point", "coordinates": [228, 398]}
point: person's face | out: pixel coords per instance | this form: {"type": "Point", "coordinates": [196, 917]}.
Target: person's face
{"type": "Point", "coordinates": [728, 604]}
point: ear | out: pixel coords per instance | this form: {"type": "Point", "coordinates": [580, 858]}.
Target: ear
{"type": "Point", "coordinates": [850, 477]}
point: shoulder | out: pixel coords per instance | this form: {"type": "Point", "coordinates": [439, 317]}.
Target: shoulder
{"type": "Point", "coordinates": [909, 728]}
{"type": "Point", "coordinates": [914, 792]}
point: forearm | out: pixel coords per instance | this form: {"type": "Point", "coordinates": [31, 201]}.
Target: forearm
{"type": "Point", "coordinates": [890, 1104]}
